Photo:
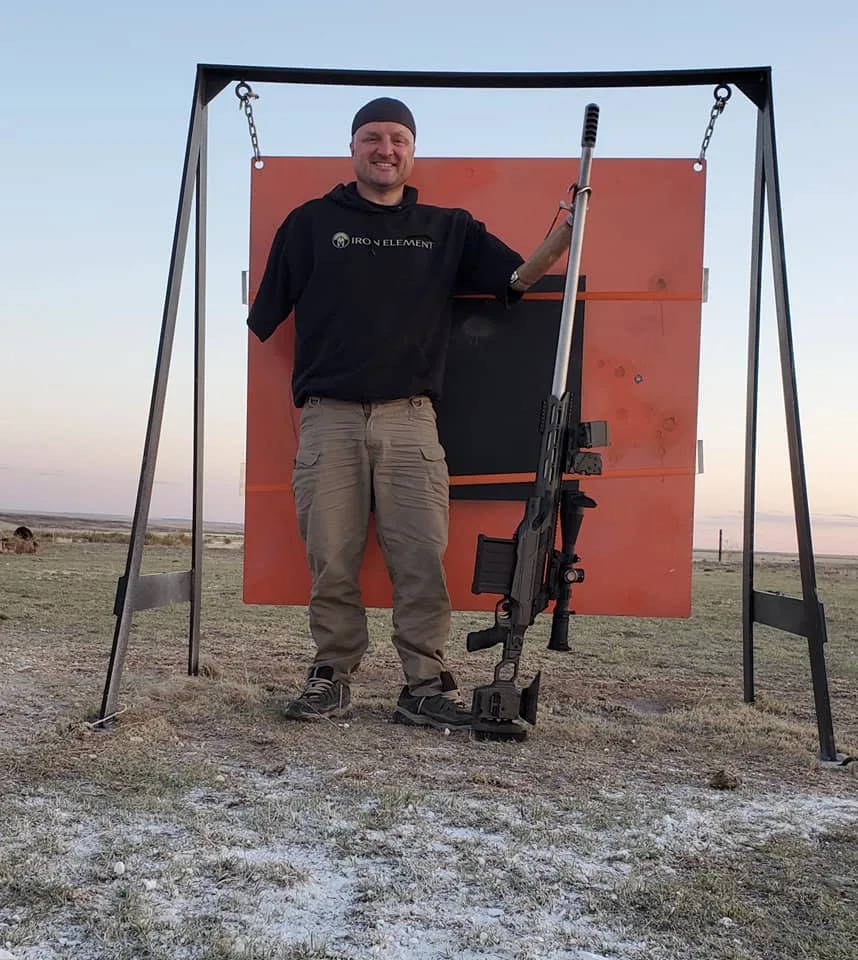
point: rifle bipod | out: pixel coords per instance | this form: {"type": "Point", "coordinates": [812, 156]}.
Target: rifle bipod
{"type": "Point", "coordinates": [526, 570]}
{"type": "Point", "coordinates": [564, 573]}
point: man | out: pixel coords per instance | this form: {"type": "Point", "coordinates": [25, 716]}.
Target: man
{"type": "Point", "coordinates": [370, 272]}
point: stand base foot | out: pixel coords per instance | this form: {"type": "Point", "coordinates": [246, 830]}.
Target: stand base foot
{"type": "Point", "coordinates": [504, 730]}
{"type": "Point", "coordinates": [843, 762]}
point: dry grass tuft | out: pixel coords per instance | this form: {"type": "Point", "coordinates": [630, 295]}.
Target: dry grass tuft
{"type": "Point", "coordinates": [724, 780]}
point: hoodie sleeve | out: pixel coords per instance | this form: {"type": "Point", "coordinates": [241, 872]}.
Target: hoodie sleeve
{"type": "Point", "coordinates": [487, 264]}
{"type": "Point", "coordinates": [284, 278]}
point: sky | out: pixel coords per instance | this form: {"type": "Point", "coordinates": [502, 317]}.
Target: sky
{"type": "Point", "coordinates": [93, 134]}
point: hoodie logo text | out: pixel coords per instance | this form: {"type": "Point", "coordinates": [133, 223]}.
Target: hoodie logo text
{"type": "Point", "coordinates": [342, 240]}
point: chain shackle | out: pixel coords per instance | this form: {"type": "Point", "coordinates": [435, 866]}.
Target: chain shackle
{"type": "Point", "coordinates": [722, 94]}
{"type": "Point", "coordinates": [245, 94]}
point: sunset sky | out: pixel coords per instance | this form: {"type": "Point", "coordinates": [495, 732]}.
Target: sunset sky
{"type": "Point", "coordinates": [97, 100]}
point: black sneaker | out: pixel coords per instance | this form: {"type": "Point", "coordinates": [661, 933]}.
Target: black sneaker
{"type": "Point", "coordinates": [322, 696]}
{"type": "Point", "coordinates": [438, 710]}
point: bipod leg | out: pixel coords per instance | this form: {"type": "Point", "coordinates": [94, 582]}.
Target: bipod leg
{"type": "Point", "coordinates": [559, 639]}
{"type": "Point", "coordinates": [573, 503]}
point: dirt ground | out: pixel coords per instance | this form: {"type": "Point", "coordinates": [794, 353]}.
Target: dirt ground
{"type": "Point", "coordinates": [650, 814]}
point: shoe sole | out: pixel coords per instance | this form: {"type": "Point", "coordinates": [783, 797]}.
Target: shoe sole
{"type": "Point", "coordinates": [401, 715]}
{"type": "Point", "coordinates": [338, 713]}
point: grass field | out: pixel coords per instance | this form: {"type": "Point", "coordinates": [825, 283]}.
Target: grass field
{"type": "Point", "coordinates": [651, 813]}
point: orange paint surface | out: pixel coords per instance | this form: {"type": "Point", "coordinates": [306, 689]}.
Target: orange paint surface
{"type": "Point", "coordinates": [643, 263]}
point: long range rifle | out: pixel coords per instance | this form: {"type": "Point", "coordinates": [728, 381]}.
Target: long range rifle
{"type": "Point", "coordinates": [527, 570]}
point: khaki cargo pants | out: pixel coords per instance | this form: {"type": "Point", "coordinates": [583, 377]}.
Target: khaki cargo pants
{"type": "Point", "coordinates": [352, 455]}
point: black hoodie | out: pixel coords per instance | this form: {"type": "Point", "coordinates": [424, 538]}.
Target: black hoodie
{"type": "Point", "coordinates": [371, 286]}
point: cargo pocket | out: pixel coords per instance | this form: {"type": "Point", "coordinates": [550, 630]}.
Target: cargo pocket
{"type": "Point", "coordinates": [432, 451]}
{"type": "Point", "coordinates": [304, 480]}
{"type": "Point", "coordinates": [436, 470]}
{"type": "Point", "coordinates": [306, 458]}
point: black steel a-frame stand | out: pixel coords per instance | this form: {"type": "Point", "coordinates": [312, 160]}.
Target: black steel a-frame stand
{"type": "Point", "coordinates": [803, 615]}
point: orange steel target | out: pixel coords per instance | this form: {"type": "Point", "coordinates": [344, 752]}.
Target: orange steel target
{"type": "Point", "coordinates": [643, 264]}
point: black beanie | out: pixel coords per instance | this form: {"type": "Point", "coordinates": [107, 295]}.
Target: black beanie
{"type": "Point", "coordinates": [385, 110]}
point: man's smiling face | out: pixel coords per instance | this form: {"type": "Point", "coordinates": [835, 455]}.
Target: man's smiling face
{"type": "Point", "coordinates": [382, 158]}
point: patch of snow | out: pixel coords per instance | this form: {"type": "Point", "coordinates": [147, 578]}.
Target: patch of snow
{"type": "Point", "coordinates": [290, 860]}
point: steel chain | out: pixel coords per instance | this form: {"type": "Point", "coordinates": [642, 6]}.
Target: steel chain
{"type": "Point", "coordinates": [245, 95]}
{"type": "Point", "coordinates": [722, 95]}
